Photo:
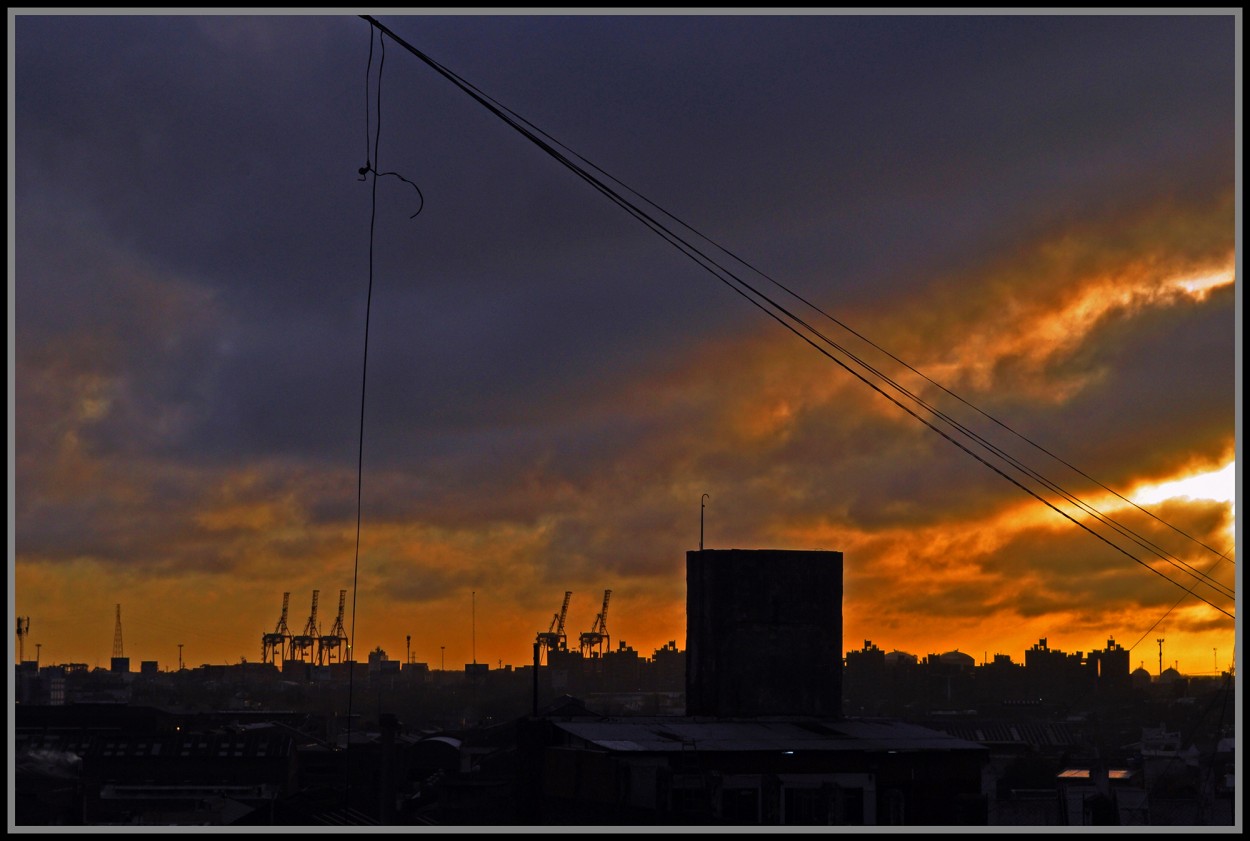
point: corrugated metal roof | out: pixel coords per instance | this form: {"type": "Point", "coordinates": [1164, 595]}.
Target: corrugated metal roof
{"type": "Point", "coordinates": [999, 732]}
{"type": "Point", "coordinates": [253, 744]}
{"type": "Point", "coordinates": [648, 734]}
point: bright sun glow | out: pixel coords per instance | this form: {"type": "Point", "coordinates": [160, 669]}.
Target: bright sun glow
{"type": "Point", "coordinates": [1220, 485]}
{"type": "Point", "coordinates": [1200, 285]}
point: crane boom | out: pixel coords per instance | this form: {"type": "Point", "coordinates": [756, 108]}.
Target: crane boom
{"type": "Point", "coordinates": [601, 621]}
{"type": "Point", "coordinates": [337, 629]}
{"type": "Point", "coordinates": [554, 639]}
{"type": "Point", "coordinates": [302, 644]}
{"type": "Point", "coordinates": [593, 640]}
{"type": "Point", "coordinates": [311, 628]}
{"type": "Point", "coordinates": [281, 626]}
{"type": "Point", "coordinates": [274, 645]}
{"type": "Point", "coordinates": [564, 609]}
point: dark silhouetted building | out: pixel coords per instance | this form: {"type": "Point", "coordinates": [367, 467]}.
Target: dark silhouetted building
{"type": "Point", "coordinates": [763, 632]}
{"type": "Point", "coordinates": [763, 741]}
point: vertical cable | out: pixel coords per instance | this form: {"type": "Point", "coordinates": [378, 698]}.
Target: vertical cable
{"type": "Point", "coordinates": [360, 446]}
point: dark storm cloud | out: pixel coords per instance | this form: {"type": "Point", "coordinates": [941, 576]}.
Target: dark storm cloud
{"type": "Point", "coordinates": [551, 386]}
{"type": "Point", "coordinates": [110, 380]}
{"type": "Point", "coordinates": [1192, 352]}
{"type": "Point", "coordinates": [172, 140]}
{"type": "Point", "coordinates": [1129, 425]}
{"type": "Point", "coordinates": [837, 460]}
{"type": "Point", "coordinates": [199, 150]}
{"type": "Point", "coordinates": [864, 142]}
{"type": "Point", "coordinates": [169, 121]}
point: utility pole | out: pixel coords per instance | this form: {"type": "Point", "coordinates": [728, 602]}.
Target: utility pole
{"type": "Point", "coordinates": [408, 643]}
{"type": "Point", "coordinates": [1160, 641]}
{"type": "Point", "coordinates": [179, 656]}
{"type": "Point", "coordinates": [442, 654]}
{"type": "Point", "coordinates": [38, 646]}
{"type": "Point", "coordinates": [23, 630]}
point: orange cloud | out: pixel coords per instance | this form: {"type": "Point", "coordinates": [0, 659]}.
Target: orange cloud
{"type": "Point", "coordinates": [794, 453]}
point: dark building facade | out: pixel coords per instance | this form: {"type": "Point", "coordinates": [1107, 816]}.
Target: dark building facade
{"type": "Point", "coordinates": [763, 741]}
{"type": "Point", "coordinates": [763, 632]}
{"type": "Point", "coordinates": [773, 771]}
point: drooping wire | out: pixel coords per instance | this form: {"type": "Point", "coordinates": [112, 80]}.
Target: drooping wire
{"type": "Point", "coordinates": [701, 257]}
{"type": "Point", "coordinates": [371, 158]}
{"type": "Point", "coordinates": [755, 297]}
{"type": "Point", "coordinates": [879, 348]}
{"type": "Point", "coordinates": [367, 169]}
{"type": "Point", "coordinates": [1167, 612]}
{"type": "Point", "coordinates": [530, 130]}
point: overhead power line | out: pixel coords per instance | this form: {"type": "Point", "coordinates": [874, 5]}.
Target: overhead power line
{"type": "Point", "coordinates": [1010, 468]}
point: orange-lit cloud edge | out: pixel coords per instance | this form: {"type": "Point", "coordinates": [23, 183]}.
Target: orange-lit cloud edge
{"type": "Point", "coordinates": [750, 420]}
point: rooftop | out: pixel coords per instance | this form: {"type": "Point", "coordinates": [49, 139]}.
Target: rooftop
{"type": "Point", "coordinates": [665, 734]}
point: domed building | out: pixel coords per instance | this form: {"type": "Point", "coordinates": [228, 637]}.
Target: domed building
{"type": "Point", "coordinates": [959, 660]}
{"type": "Point", "coordinates": [1140, 678]}
{"type": "Point", "coordinates": [1169, 675]}
{"type": "Point", "coordinates": [896, 657]}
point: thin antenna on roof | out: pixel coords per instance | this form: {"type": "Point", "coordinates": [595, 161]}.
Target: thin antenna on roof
{"type": "Point", "coordinates": [701, 506]}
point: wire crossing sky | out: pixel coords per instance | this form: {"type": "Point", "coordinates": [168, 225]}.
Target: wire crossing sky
{"type": "Point", "coordinates": [1038, 212]}
{"type": "Point", "coordinates": [810, 334]}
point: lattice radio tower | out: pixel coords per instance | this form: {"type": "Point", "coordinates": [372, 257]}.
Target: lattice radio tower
{"type": "Point", "coordinates": [117, 634]}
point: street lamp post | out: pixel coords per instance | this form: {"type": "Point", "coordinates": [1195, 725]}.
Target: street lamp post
{"type": "Point", "coordinates": [179, 656]}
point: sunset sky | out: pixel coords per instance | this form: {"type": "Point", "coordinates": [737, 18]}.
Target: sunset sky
{"type": "Point", "coordinates": [1037, 214]}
